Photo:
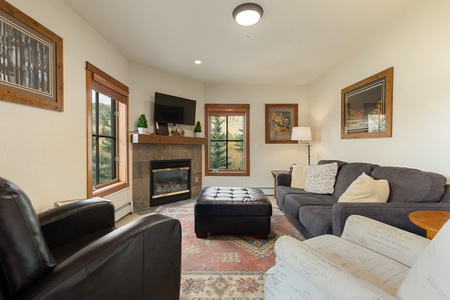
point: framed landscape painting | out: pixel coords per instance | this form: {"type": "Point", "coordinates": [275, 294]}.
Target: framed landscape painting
{"type": "Point", "coordinates": [280, 118]}
{"type": "Point", "coordinates": [366, 107]}
{"type": "Point", "coordinates": [31, 63]}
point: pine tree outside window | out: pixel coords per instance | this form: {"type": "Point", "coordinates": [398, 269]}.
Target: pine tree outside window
{"type": "Point", "coordinates": [227, 128]}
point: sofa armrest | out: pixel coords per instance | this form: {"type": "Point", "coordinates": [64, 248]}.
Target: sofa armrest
{"type": "Point", "coordinates": [322, 273]}
{"type": "Point", "coordinates": [141, 260]}
{"type": "Point", "coordinates": [284, 179]}
{"type": "Point", "coordinates": [395, 214]}
{"type": "Point", "coordinates": [66, 223]}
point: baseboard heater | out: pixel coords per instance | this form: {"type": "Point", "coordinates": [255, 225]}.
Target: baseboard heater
{"type": "Point", "coordinates": [123, 210]}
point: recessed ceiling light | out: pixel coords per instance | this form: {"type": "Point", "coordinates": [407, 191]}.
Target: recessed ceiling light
{"type": "Point", "coordinates": [248, 14]}
{"type": "Point", "coordinates": [198, 62]}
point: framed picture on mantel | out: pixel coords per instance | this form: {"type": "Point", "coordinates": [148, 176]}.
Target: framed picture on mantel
{"type": "Point", "coordinates": [366, 107]}
{"type": "Point", "coordinates": [280, 118]}
{"type": "Point", "coordinates": [31, 61]}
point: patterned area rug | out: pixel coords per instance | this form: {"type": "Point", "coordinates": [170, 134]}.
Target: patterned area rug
{"type": "Point", "coordinates": [225, 267]}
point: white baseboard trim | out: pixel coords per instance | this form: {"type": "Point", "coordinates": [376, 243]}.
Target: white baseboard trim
{"type": "Point", "coordinates": [124, 210]}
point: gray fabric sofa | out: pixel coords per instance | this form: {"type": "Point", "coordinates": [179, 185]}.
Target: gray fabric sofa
{"type": "Point", "coordinates": [410, 190]}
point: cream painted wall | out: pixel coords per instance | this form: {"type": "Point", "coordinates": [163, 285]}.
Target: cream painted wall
{"type": "Point", "coordinates": [416, 44]}
{"type": "Point", "coordinates": [42, 151]}
{"type": "Point", "coordinates": [263, 157]}
{"type": "Point", "coordinates": [146, 81]}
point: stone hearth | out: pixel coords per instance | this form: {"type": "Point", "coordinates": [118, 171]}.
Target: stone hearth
{"type": "Point", "coordinates": [143, 153]}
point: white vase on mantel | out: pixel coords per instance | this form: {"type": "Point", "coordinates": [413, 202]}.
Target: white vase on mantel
{"type": "Point", "coordinates": [197, 134]}
{"type": "Point", "coordinates": [142, 130]}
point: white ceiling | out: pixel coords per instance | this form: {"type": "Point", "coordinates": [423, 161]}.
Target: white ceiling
{"type": "Point", "coordinates": [295, 42]}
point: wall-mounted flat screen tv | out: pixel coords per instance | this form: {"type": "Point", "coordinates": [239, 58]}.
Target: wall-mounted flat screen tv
{"type": "Point", "coordinates": [174, 110]}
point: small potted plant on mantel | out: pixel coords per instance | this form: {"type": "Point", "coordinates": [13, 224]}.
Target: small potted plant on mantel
{"type": "Point", "coordinates": [198, 129]}
{"type": "Point", "coordinates": [142, 124]}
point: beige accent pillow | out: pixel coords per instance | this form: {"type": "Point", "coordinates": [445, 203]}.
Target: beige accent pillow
{"type": "Point", "coordinates": [299, 175]}
{"type": "Point", "coordinates": [321, 178]}
{"type": "Point", "coordinates": [366, 189]}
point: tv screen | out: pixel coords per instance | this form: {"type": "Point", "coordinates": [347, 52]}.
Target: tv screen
{"type": "Point", "coordinates": [174, 110]}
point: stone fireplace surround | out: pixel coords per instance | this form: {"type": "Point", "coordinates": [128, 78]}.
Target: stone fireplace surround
{"type": "Point", "coordinates": [152, 147]}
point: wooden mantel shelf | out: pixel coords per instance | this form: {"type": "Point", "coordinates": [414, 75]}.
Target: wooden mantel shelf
{"type": "Point", "coordinates": [164, 139]}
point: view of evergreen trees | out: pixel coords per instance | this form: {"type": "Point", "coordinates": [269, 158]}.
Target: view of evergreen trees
{"type": "Point", "coordinates": [103, 155]}
{"type": "Point", "coordinates": [227, 143]}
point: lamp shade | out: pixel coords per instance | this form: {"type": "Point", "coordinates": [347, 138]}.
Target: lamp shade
{"type": "Point", "coordinates": [301, 134]}
{"type": "Point", "coordinates": [247, 14]}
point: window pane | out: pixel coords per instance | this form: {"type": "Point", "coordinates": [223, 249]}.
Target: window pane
{"type": "Point", "coordinates": [94, 112]}
{"type": "Point", "coordinates": [94, 161]}
{"type": "Point", "coordinates": [106, 161]}
{"type": "Point", "coordinates": [218, 129]}
{"type": "Point", "coordinates": [218, 159]}
{"type": "Point", "coordinates": [235, 156]}
{"type": "Point", "coordinates": [235, 127]}
{"type": "Point", "coordinates": [105, 115]}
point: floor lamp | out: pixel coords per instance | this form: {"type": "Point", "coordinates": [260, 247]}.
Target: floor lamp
{"type": "Point", "coordinates": [303, 134]}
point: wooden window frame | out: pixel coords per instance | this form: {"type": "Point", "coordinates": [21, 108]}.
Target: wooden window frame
{"type": "Point", "coordinates": [102, 82]}
{"type": "Point", "coordinates": [228, 109]}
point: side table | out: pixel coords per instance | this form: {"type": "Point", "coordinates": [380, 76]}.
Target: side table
{"type": "Point", "coordinates": [274, 174]}
{"type": "Point", "coordinates": [430, 220]}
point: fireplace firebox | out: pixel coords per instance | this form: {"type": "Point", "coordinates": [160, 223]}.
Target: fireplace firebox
{"type": "Point", "coordinates": [170, 181]}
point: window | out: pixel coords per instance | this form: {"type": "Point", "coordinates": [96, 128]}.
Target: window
{"type": "Point", "coordinates": [228, 134]}
{"type": "Point", "coordinates": [107, 131]}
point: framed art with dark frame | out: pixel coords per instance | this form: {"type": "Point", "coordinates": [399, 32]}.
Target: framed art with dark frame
{"type": "Point", "coordinates": [366, 107]}
{"type": "Point", "coordinates": [280, 118]}
{"type": "Point", "coordinates": [31, 61]}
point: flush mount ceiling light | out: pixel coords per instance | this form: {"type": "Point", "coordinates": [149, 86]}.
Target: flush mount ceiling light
{"type": "Point", "coordinates": [247, 14]}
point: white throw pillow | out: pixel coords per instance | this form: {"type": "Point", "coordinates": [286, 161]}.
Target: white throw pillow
{"type": "Point", "coordinates": [428, 278]}
{"type": "Point", "coordinates": [321, 178]}
{"type": "Point", "coordinates": [366, 189]}
{"type": "Point", "coordinates": [299, 175]}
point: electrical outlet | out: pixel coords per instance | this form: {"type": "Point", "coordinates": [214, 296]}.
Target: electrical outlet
{"type": "Point", "coordinates": [196, 178]}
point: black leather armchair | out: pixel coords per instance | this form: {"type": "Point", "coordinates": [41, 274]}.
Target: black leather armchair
{"type": "Point", "coordinates": [75, 252]}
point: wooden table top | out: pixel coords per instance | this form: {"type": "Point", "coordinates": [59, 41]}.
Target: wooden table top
{"type": "Point", "coordinates": [430, 220]}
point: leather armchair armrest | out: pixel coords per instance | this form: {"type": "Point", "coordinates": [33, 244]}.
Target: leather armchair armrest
{"type": "Point", "coordinates": [141, 260]}
{"type": "Point", "coordinates": [72, 221]}
{"type": "Point", "coordinates": [395, 214]}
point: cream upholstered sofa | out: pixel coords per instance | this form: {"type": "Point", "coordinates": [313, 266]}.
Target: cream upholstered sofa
{"type": "Point", "coordinates": [371, 260]}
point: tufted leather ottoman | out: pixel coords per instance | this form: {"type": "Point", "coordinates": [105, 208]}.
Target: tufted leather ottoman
{"type": "Point", "coordinates": [232, 210]}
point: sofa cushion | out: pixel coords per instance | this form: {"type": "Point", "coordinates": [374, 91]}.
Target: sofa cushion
{"type": "Point", "coordinates": [24, 255]}
{"type": "Point", "coordinates": [321, 178]}
{"type": "Point", "coordinates": [294, 202]}
{"type": "Point", "coordinates": [411, 185]}
{"type": "Point", "coordinates": [299, 175]}
{"type": "Point", "coordinates": [316, 219]}
{"type": "Point", "coordinates": [348, 173]}
{"type": "Point", "coordinates": [283, 191]}
{"type": "Point", "coordinates": [366, 189]}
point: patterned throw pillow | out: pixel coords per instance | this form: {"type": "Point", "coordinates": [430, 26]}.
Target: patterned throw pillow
{"type": "Point", "coordinates": [321, 178]}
